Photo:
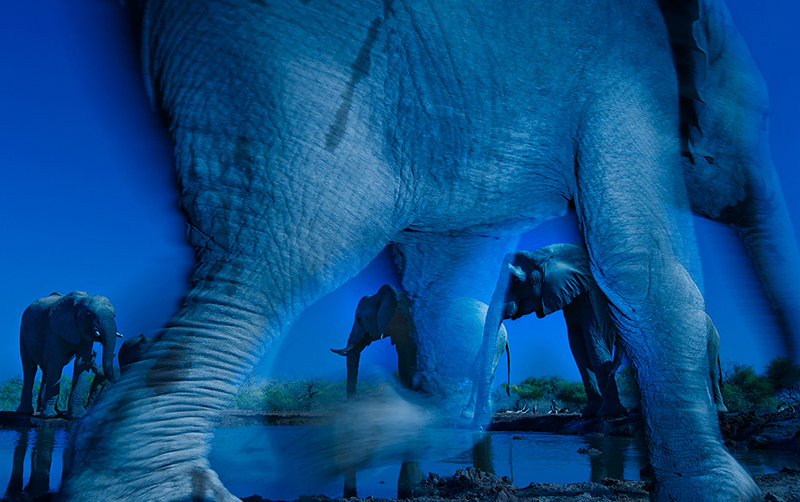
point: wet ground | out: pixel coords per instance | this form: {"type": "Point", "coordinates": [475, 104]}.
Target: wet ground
{"type": "Point", "coordinates": [772, 431]}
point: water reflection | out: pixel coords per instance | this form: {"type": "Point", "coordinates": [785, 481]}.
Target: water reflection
{"type": "Point", "coordinates": [41, 443]}
{"type": "Point", "coordinates": [411, 473]}
{"type": "Point", "coordinates": [272, 461]}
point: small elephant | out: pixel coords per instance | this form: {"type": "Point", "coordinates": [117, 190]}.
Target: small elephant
{"type": "Point", "coordinates": [55, 329]}
{"type": "Point", "coordinates": [132, 350]}
{"type": "Point", "coordinates": [387, 313]}
{"type": "Point", "coordinates": [557, 277]}
{"type": "Point", "coordinates": [384, 314]}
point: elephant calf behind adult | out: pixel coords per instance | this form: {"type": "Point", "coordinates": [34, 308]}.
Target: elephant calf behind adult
{"type": "Point", "coordinates": [55, 329]}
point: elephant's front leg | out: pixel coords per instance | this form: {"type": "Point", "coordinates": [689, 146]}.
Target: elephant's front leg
{"type": "Point", "coordinates": [51, 386]}
{"type": "Point", "coordinates": [577, 345]}
{"type": "Point", "coordinates": [450, 281]}
{"type": "Point", "coordinates": [258, 267]}
{"type": "Point", "coordinates": [635, 234]}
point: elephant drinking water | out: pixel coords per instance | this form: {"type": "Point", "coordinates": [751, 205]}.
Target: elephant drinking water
{"type": "Point", "coordinates": [55, 329]}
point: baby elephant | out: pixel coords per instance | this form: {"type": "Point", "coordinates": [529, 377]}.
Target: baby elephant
{"type": "Point", "coordinates": [557, 277]}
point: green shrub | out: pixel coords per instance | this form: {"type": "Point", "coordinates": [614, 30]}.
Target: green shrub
{"type": "Point", "coordinates": [784, 376]}
{"type": "Point", "coordinates": [11, 390]}
{"type": "Point", "coordinates": [571, 395]}
{"type": "Point", "coordinates": [743, 389]}
{"type": "Point", "coordinates": [539, 393]}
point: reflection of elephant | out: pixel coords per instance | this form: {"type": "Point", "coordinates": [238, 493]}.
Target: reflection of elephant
{"type": "Point", "coordinates": [557, 277]}
{"type": "Point", "coordinates": [384, 314]}
{"type": "Point", "coordinates": [41, 456]}
{"type": "Point", "coordinates": [387, 314]}
{"type": "Point", "coordinates": [446, 130]}
{"type": "Point", "coordinates": [53, 331]}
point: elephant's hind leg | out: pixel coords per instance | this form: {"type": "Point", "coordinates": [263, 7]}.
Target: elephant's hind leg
{"type": "Point", "coordinates": [636, 235]}
{"type": "Point", "coordinates": [258, 268]}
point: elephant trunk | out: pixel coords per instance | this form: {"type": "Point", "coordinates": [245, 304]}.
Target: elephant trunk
{"type": "Point", "coordinates": [353, 358]}
{"type": "Point", "coordinates": [108, 337]}
{"type": "Point", "coordinates": [495, 315]}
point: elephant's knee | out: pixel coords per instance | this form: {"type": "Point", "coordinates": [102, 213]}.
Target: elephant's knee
{"type": "Point", "coordinates": [639, 282]}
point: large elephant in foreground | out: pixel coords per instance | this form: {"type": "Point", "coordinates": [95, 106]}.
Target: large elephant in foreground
{"type": "Point", "coordinates": [56, 329]}
{"type": "Point", "coordinates": [310, 135]}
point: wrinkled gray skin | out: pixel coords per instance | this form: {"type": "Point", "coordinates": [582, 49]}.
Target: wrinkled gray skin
{"type": "Point", "coordinates": [387, 314]}
{"type": "Point", "coordinates": [55, 329]}
{"type": "Point", "coordinates": [558, 277]}
{"type": "Point", "coordinates": [310, 135]}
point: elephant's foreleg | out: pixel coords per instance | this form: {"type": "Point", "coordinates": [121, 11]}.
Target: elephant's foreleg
{"type": "Point", "coordinates": [636, 247]}
{"type": "Point", "coordinates": [50, 389]}
{"type": "Point", "coordinates": [578, 347]}
{"type": "Point", "coordinates": [256, 272]}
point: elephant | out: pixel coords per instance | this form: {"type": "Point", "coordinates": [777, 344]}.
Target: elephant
{"type": "Point", "coordinates": [55, 329]}
{"type": "Point", "coordinates": [132, 350]}
{"type": "Point", "coordinates": [309, 136]}
{"type": "Point", "coordinates": [384, 314]}
{"type": "Point", "coordinates": [387, 314]}
{"type": "Point", "coordinates": [558, 277]}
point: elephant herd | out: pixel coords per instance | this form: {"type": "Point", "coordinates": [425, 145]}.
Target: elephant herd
{"type": "Point", "coordinates": [309, 136]}
{"type": "Point", "coordinates": [544, 281]}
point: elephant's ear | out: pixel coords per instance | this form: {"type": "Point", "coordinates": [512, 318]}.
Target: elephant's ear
{"type": "Point", "coordinates": [62, 319]}
{"type": "Point", "coordinates": [566, 274]}
{"type": "Point", "coordinates": [387, 306]}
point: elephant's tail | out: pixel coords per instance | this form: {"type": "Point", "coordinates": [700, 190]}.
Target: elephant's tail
{"type": "Point", "coordinates": [508, 376]}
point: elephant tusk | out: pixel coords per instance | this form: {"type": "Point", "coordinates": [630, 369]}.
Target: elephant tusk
{"type": "Point", "coordinates": [119, 335]}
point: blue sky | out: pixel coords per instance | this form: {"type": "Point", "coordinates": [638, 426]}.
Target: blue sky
{"type": "Point", "coordinates": [89, 200]}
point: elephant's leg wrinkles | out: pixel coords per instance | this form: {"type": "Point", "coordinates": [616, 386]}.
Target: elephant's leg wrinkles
{"type": "Point", "coordinates": [658, 310]}
{"type": "Point", "coordinates": [155, 423]}
{"type": "Point", "coordinates": [240, 302]}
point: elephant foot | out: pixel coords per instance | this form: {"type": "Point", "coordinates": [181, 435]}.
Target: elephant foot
{"type": "Point", "coordinates": [75, 413]}
{"type": "Point", "coordinates": [719, 477]}
{"type": "Point", "coordinates": [25, 410]}
{"type": "Point", "coordinates": [591, 410]}
{"type": "Point", "coordinates": [45, 413]}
